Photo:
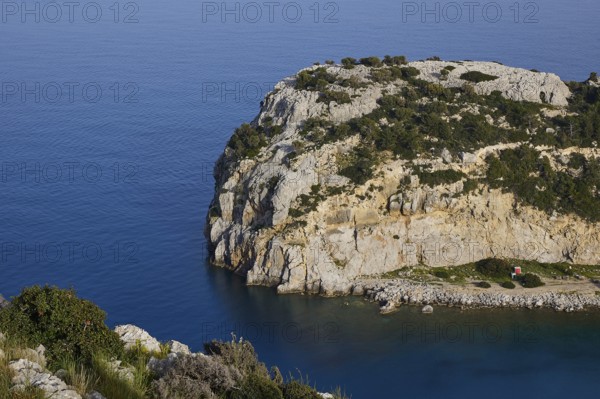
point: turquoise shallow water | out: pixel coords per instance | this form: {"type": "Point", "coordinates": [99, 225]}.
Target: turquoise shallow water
{"type": "Point", "coordinates": [105, 186]}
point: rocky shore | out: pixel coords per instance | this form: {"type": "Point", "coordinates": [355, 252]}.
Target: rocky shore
{"type": "Point", "coordinates": [392, 294]}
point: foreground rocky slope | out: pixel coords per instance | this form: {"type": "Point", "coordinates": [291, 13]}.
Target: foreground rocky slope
{"type": "Point", "coordinates": [77, 356]}
{"type": "Point", "coordinates": [352, 171]}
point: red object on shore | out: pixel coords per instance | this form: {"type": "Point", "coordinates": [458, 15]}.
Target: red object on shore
{"type": "Point", "coordinates": [517, 270]}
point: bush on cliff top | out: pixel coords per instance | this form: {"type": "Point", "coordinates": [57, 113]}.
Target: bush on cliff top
{"type": "Point", "coordinates": [476, 77]}
{"type": "Point", "coordinates": [63, 323]}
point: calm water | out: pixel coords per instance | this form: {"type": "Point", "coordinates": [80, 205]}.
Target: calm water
{"type": "Point", "coordinates": [109, 131]}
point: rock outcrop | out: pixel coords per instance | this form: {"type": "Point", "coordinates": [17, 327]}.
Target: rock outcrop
{"type": "Point", "coordinates": [133, 336]}
{"type": "Point", "coordinates": [392, 220]}
{"type": "Point", "coordinates": [28, 373]}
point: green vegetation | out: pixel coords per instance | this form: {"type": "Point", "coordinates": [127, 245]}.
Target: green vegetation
{"type": "Point", "coordinates": [396, 60]}
{"type": "Point", "coordinates": [484, 284]}
{"type": "Point", "coordinates": [340, 97]}
{"type": "Point", "coordinates": [349, 62]}
{"type": "Point", "coordinates": [508, 285]}
{"type": "Point", "coordinates": [371, 62]}
{"type": "Point", "coordinates": [476, 77]}
{"type": "Point", "coordinates": [534, 182]}
{"type": "Point", "coordinates": [439, 177]}
{"type": "Point", "coordinates": [441, 274]}
{"type": "Point", "coordinates": [494, 267]}
{"type": "Point", "coordinates": [231, 370]}
{"type": "Point", "coordinates": [360, 164]}
{"type": "Point", "coordinates": [247, 141]}
{"type": "Point", "coordinates": [63, 323]}
{"type": "Point", "coordinates": [530, 280]}
{"type": "Point", "coordinates": [317, 79]}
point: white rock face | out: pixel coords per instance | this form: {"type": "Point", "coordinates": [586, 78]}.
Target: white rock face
{"type": "Point", "coordinates": [132, 335]}
{"type": "Point", "coordinates": [349, 237]}
{"type": "Point", "coordinates": [31, 373]}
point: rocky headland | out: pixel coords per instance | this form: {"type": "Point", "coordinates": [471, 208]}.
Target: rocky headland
{"type": "Point", "coordinates": [354, 173]}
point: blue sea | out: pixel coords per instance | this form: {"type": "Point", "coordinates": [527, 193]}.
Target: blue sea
{"type": "Point", "coordinates": [113, 113]}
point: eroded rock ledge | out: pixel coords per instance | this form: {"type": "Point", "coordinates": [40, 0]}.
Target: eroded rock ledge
{"type": "Point", "coordinates": [350, 172]}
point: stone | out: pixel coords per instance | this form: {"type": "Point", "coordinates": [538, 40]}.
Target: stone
{"type": "Point", "coordinates": [3, 302]}
{"type": "Point", "coordinates": [33, 355]}
{"type": "Point", "coordinates": [27, 373]}
{"type": "Point", "coordinates": [132, 335]}
{"type": "Point", "coordinates": [446, 156]}
{"type": "Point", "coordinates": [94, 395]}
{"type": "Point", "coordinates": [179, 348]}
{"type": "Point", "coordinates": [427, 309]}
{"type": "Point", "coordinates": [124, 372]}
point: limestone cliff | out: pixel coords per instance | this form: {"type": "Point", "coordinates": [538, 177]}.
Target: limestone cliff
{"type": "Point", "coordinates": [291, 214]}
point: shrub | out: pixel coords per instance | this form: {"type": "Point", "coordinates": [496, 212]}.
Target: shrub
{"type": "Point", "coordinates": [476, 77]}
{"type": "Point", "coordinates": [256, 386]}
{"type": "Point", "coordinates": [247, 141]}
{"type": "Point", "coordinates": [483, 284]}
{"type": "Point", "coordinates": [396, 60]}
{"type": "Point", "coordinates": [348, 62]}
{"type": "Point", "coordinates": [530, 280]}
{"type": "Point", "coordinates": [371, 61]}
{"type": "Point", "coordinates": [450, 68]}
{"type": "Point", "coordinates": [438, 177]}
{"type": "Point", "coordinates": [239, 354]}
{"type": "Point", "coordinates": [329, 62]}
{"type": "Point", "coordinates": [63, 323]}
{"type": "Point", "coordinates": [410, 72]}
{"type": "Point", "coordinates": [493, 267]}
{"type": "Point", "coordinates": [508, 284]}
{"type": "Point", "coordinates": [296, 390]}
{"type": "Point", "coordinates": [340, 97]}
{"type": "Point", "coordinates": [469, 185]}
{"type": "Point", "coordinates": [441, 274]}
{"type": "Point", "coordinates": [593, 77]}
{"type": "Point", "coordinates": [196, 377]}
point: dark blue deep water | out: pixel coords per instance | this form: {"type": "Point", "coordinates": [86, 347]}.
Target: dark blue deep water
{"type": "Point", "coordinates": [110, 123]}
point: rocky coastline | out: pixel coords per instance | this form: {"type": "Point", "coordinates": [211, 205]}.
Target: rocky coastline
{"type": "Point", "coordinates": [349, 173]}
{"type": "Point", "coordinates": [392, 294]}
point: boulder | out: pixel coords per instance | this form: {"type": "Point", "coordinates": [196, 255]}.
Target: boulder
{"type": "Point", "coordinates": [30, 373]}
{"type": "Point", "coordinates": [179, 348]}
{"type": "Point", "coordinates": [132, 336]}
{"type": "Point", "coordinates": [427, 309]}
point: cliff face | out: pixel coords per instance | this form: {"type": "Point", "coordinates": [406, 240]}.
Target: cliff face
{"type": "Point", "coordinates": [292, 216]}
